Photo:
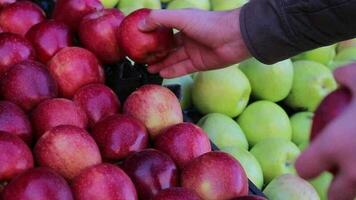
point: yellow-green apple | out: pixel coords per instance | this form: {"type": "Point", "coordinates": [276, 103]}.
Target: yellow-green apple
{"type": "Point", "coordinates": [312, 82]}
{"type": "Point", "coordinates": [321, 184]}
{"type": "Point", "coordinates": [225, 91]}
{"type": "Point", "coordinates": [290, 187]}
{"type": "Point", "coordinates": [109, 3]}
{"type": "Point", "coordinates": [263, 120]}
{"type": "Point", "coordinates": [249, 163]}
{"type": "Point", "coordinates": [276, 157]}
{"type": "Point", "coordinates": [323, 55]}
{"type": "Point", "coordinates": [279, 83]}
{"type": "Point", "coordinates": [176, 193]}
{"type": "Point", "coordinates": [128, 6]}
{"type": "Point", "coordinates": [227, 4]}
{"type": "Point", "coordinates": [344, 57]}
{"type": "Point", "coordinates": [346, 44]}
{"type": "Point", "coordinates": [215, 176]}
{"type": "Point", "coordinates": [165, 1]}
{"type": "Point", "coordinates": [186, 83]}
{"type": "Point", "coordinates": [223, 131]}
{"type": "Point", "coordinates": [155, 106]}
{"type": "Point", "coordinates": [180, 4]}
{"type": "Point", "coordinates": [301, 127]}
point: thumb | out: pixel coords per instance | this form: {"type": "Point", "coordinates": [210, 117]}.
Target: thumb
{"type": "Point", "coordinates": [346, 76]}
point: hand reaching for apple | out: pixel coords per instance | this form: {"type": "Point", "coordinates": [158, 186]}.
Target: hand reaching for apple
{"type": "Point", "coordinates": [207, 40]}
{"type": "Point", "coordinates": [334, 147]}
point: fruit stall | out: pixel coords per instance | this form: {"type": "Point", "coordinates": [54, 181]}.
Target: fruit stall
{"type": "Point", "coordinates": [82, 118]}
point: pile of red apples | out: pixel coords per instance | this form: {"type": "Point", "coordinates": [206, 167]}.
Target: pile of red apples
{"type": "Point", "coordinates": [65, 135]}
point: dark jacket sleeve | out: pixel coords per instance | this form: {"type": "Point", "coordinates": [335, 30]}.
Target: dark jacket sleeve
{"type": "Point", "coordinates": [274, 30]}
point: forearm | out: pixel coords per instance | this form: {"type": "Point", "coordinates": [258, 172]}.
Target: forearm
{"type": "Point", "coordinates": [275, 30]}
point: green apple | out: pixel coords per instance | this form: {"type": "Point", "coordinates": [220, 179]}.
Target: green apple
{"type": "Point", "coordinates": [269, 82]}
{"type": "Point", "coordinates": [323, 55]}
{"type": "Point", "coordinates": [180, 4]}
{"type": "Point", "coordinates": [248, 162]}
{"type": "Point", "coordinates": [346, 44]}
{"type": "Point", "coordinates": [343, 57]}
{"type": "Point", "coordinates": [276, 157]}
{"type": "Point", "coordinates": [109, 3]}
{"type": "Point", "coordinates": [302, 146]}
{"type": "Point", "coordinates": [227, 4]}
{"type": "Point", "coordinates": [301, 126]}
{"type": "Point", "coordinates": [165, 1]}
{"type": "Point", "coordinates": [312, 82]}
{"type": "Point", "coordinates": [223, 131]}
{"type": "Point", "coordinates": [128, 6]}
{"type": "Point", "coordinates": [186, 83]}
{"type": "Point", "coordinates": [321, 184]}
{"type": "Point", "coordinates": [290, 187]}
{"type": "Point", "coordinates": [225, 91]}
{"type": "Point", "coordinates": [263, 120]}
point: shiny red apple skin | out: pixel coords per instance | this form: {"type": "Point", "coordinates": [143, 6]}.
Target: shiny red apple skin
{"type": "Point", "coordinates": [183, 143]}
{"type": "Point", "coordinates": [177, 194]}
{"type": "Point", "coordinates": [13, 50]}
{"type": "Point", "coordinates": [38, 184]}
{"type": "Point", "coordinates": [144, 47]}
{"type": "Point", "coordinates": [15, 156]}
{"type": "Point", "coordinates": [103, 181]}
{"type": "Point", "coordinates": [98, 101]}
{"type": "Point", "coordinates": [118, 136]}
{"type": "Point", "coordinates": [54, 112]}
{"type": "Point", "coordinates": [71, 12]}
{"type": "Point", "coordinates": [155, 106]}
{"type": "Point", "coordinates": [97, 33]}
{"type": "Point", "coordinates": [48, 37]}
{"type": "Point", "coordinates": [151, 171]}
{"type": "Point", "coordinates": [4, 3]}
{"type": "Point", "coordinates": [215, 176]}
{"type": "Point", "coordinates": [73, 68]}
{"type": "Point", "coordinates": [27, 84]}
{"type": "Point", "coordinates": [20, 16]}
{"type": "Point", "coordinates": [68, 150]}
{"type": "Point", "coordinates": [15, 121]}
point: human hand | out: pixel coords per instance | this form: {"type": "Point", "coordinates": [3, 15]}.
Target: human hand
{"type": "Point", "coordinates": [207, 40]}
{"type": "Point", "coordinates": [334, 149]}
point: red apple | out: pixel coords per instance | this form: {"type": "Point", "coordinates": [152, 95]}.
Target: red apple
{"type": "Point", "coordinates": [19, 17]}
{"type": "Point", "coordinates": [144, 47]}
{"type": "Point", "coordinates": [38, 184]}
{"type": "Point", "coordinates": [4, 3]}
{"type": "Point", "coordinates": [329, 109]}
{"type": "Point", "coordinates": [68, 150]}
{"type": "Point", "coordinates": [215, 176]}
{"type": "Point", "coordinates": [97, 33]}
{"type": "Point", "coordinates": [15, 156]}
{"type": "Point", "coordinates": [27, 84]}
{"type": "Point", "coordinates": [71, 12]}
{"type": "Point", "coordinates": [13, 50]}
{"type": "Point", "coordinates": [48, 37]}
{"type": "Point", "coordinates": [55, 112]}
{"type": "Point", "coordinates": [73, 68]}
{"type": "Point", "coordinates": [250, 197]}
{"type": "Point", "coordinates": [98, 101]}
{"type": "Point", "coordinates": [183, 143]}
{"type": "Point", "coordinates": [14, 120]}
{"type": "Point", "coordinates": [151, 171]}
{"type": "Point", "coordinates": [156, 106]}
{"type": "Point", "coordinates": [119, 136]}
{"type": "Point", "coordinates": [177, 194]}
{"type": "Point", "coordinates": [103, 181]}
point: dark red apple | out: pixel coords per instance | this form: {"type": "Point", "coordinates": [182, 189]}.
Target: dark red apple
{"type": "Point", "coordinates": [98, 101]}
{"type": "Point", "coordinates": [156, 106]}
{"type": "Point", "coordinates": [120, 135]}
{"type": "Point", "coordinates": [68, 150]}
{"type": "Point", "coordinates": [20, 16]}
{"type": "Point", "coordinates": [15, 121]}
{"type": "Point", "coordinates": [38, 184]}
{"type": "Point", "coordinates": [71, 12]}
{"type": "Point", "coordinates": [48, 37]}
{"type": "Point", "coordinates": [215, 176]}
{"type": "Point", "coordinates": [15, 156]}
{"type": "Point", "coordinates": [177, 194]}
{"type": "Point", "coordinates": [144, 47]}
{"type": "Point", "coordinates": [4, 3]}
{"type": "Point", "coordinates": [151, 171]}
{"type": "Point", "coordinates": [54, 112]}
{"type": "Point", "coordinates": [13, 50]}
{"type": "Point", "coordinates": [329, 109]}
{"type": "Point", "coordinates": [27, 84]}
{"type": "Point", "coordinates": [103, 181]}
{"type": "Point", "coordinates": [183, 143]}
{"type": "Point", "coordinates": [73, 68]}
{"type": "Point", "coordinates": [250, 197]}
{"type": "Point", "coordinates": [97, 33]}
